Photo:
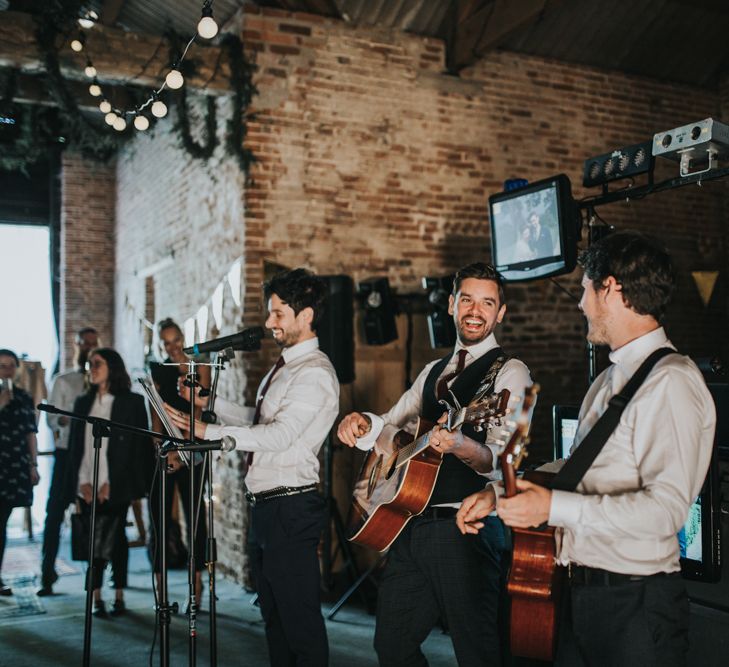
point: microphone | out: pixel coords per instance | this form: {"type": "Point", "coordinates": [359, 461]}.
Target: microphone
{"type": "Point", "coordinates": [226, 444]}
{"type": "Point", "coordinates": [46, 407]}
{"type": "Point", "coordinates": [246, 340]}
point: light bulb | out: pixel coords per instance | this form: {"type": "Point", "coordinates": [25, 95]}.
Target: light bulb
{"type": "Point", "coordinates": [105, 107]}
{"type": "Point", "coordinates": [88, 19]}
{"type": "Point", "coordinates": [77, 45]}
{"type": "Point", "coordinates": [207, 27]}
{"type": "Point", "coordinates": [159, 109]}
{"type": "Point", "coordinates": [110, 118]}
{"type": "Point", "coordinates": [141, 123]}
{"type": "Point", "coordinates": [119, 124]}
{"type": "Point", "coordinates": [90, 71]}
{"type": "Point", "coordinates": [174, 79]}
{"type": "Point", "coordinates": [95, 90]}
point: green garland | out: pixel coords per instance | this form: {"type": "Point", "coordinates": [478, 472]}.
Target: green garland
{"type": "Point", "coordinates": [39, 128]}
{"type": "Point", "coordinates": [241, 75]}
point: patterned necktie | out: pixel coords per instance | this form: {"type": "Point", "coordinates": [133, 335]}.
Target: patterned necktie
{"type": "Point", "coordinates": [259, 403]}
{"type": "Point", "coordinates": [442, 387]}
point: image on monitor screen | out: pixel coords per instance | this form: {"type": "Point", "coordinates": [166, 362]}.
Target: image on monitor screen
{"type": "Point", "coordinates": [527, 227]}
{"type": "Point", "coordinates": [690, 536]}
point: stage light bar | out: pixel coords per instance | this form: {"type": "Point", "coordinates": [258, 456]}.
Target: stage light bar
{"type": "Point", "coordinates": [620, 163]}
{"type": "Point", "coordinates": [700, 143]}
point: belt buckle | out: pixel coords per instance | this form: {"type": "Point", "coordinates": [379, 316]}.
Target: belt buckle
{"type": "Point", "coordinates": [251, 498]}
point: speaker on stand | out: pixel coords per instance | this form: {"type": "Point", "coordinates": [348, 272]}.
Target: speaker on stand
{"type": "Point", "coordinates": [336, 339]}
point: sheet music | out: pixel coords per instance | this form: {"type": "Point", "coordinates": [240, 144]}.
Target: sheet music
{"type": "Point", "coordinates": [155, 400]}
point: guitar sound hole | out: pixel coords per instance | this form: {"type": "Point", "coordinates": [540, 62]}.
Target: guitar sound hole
{"type": "Point", "coordinates": [374, 475]}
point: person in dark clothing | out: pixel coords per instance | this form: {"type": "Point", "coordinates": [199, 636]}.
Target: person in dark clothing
{"type": "Point", "coordinates": [167, 379]}
{"type": "Point", "coordinates": [122, 466]}
{"type": "Point", "coordinates": [18, 449]}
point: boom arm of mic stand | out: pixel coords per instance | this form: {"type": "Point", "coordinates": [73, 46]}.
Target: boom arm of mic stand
{"type": "Point", "coordinates": [208, 415]}
{"type": "Point", "coordinates": [98, 422]}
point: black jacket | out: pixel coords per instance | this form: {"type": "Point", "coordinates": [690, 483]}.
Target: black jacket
{"type": "Point", "coordinates": [128, 454]}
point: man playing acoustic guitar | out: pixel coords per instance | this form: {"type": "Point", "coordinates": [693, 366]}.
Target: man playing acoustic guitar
{"type": "Point", "coordinates": [432, 571]}
{"type": "Point", "coordinates": [626, 603]}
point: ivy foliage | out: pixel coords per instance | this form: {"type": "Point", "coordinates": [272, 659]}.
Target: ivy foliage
{"type": "Point", "coordinates": [35, 129]}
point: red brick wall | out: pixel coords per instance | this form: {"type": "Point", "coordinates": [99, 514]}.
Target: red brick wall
{"type": "Point", "coordinates": [373, 162]}
{"type": "Point", "coordinates": [88, 196]}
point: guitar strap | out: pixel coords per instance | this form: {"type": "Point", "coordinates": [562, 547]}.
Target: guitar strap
{"type": "Point", "coordinates": [582, 458]}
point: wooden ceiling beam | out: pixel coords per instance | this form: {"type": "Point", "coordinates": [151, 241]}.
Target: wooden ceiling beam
{"type": "Point", "coordinates": [110, 11]}
{"type": "Point", "coordinates": [119, 56]}
{"type": "Point", "coordinates": [33, 89]}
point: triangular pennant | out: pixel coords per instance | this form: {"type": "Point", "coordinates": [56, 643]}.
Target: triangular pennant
{"type": "Point", "coordinates": [705, 283]}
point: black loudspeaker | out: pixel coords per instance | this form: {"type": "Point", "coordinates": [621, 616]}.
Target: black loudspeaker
{"type": "Point", "coordinates": [440, 324]}
{"type": "Point", "coordinates": [336, 328]}
{"type": "Point", "coordinates": [380, 326]}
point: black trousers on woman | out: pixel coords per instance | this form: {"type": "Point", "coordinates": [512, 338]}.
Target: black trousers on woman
{"type": "Point", "coordinates": [181, 478]}
{"type": "Point", "coordinates": [111, 542]}
{"type": "Point", "coordinates": [285, 536]}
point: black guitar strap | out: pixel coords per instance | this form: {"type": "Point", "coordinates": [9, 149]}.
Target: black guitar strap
{"type": "Point", "coordinates": [577, 465]}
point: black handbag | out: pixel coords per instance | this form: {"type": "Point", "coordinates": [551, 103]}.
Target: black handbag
{"type": "Point", "coordinates": [103, 535]}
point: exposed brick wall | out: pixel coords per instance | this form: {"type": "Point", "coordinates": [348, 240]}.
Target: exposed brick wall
{"type": "Point", "coordinates": [372, 162]}
{"type": "Point", "coordinates": [186, 217]}
{"type": "Point", "coordinates": [88, 196]}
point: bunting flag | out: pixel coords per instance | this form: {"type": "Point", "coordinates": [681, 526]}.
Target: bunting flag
{"type": "Point", "coordinates": [234, 280]}
{"type": "Point", "coordinates": [202, 322]}
{"type": "Point", "coordinates": [218, 305]}
{"type": "Point", "coordinates": [705, 283]}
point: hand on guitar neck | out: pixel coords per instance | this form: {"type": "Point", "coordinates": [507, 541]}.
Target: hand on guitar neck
{"type": "Point", "coordinates": [471, 452]}
{"type": "Point", "coordinates": [524, 504]}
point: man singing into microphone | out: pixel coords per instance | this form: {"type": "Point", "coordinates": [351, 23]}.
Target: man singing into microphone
{"type": "Point", "coordinates": [296, 405]}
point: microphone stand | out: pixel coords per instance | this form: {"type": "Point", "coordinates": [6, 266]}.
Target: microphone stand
{"type": "Point", "coordinates": [211, 550]}
{"type": "Point", "coordinates": [102, 429]}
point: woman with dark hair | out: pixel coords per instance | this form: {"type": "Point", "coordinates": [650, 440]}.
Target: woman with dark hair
{"type": "Point", "coordinates": [121, 467]}
{"type": "Point", "coordinates": [18, 451]}
{"type": "Point", "coordinates": [168, 379]}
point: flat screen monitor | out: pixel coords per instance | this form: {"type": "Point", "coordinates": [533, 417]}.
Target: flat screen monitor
{"type": "Point", "coordinates": [534, 230]}
{"type": "Point", "coordinates": [564, 427]}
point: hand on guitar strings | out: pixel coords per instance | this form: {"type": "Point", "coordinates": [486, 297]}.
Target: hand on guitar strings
{"type": "Point", "coordinates": [443, 440]}
{"type": "Point", "coordinates": [528, 508]}
{"type": "Point", "coordinates": [473, 508]}
{"type": "Point", "coordinates": [353, 426]}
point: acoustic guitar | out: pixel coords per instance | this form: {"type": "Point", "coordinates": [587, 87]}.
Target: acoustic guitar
{"type": "Point", "coordinates": [534, 582]}
{"type": "Point", "coordinates": [392, 489]}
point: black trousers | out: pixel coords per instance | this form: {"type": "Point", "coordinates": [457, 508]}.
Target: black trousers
{"type": "Point", "coordinates": [6, 509]}
{"type": "Point", "coordinates": [55, 509]}
{"type": "Point", "coordinates": [433, 572]}
{"type": "Point", "coordinates": [181, 478]}
{"type": "Point", "coordinates": [111, 523]}
{"type": "Point", "coordinates": [642, 624]}
{"type": "Point", "coordinates": [285, 534]}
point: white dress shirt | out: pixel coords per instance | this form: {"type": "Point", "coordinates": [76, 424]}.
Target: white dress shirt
{"type": "Point", "coordinates": [297, 413]}
{"type": "Point", "coordinates": [635, 497]}
{"type": "Point", "coordinates": [514, 376]}
{"type": "Point", "coordinates": [67, 387]}
{"type": "Point", "coordinates": [101, 407]}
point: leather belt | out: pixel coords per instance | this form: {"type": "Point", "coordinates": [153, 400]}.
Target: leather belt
{"type": "Point", "coordinates": [278, 492]}
{"type": "Point", "coordinates": [439, 512]}
{"type": "Point", "coordinates": [582, 575]}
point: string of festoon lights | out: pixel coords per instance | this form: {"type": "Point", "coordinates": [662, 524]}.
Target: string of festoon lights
{"type": "Point", "coordinates": [207, 28]}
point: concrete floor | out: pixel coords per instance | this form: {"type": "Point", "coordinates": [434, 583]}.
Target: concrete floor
{"type": "Point", "coordinates": [55, 638]}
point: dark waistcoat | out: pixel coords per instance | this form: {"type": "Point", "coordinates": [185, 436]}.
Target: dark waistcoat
{"type": "Point", "coordinates": [456, 480]}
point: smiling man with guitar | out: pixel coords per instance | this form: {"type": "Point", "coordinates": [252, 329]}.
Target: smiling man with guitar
{"type": "Point", "coordinates": [641, 453]}
{"type": "Point", "coordinates": [433, 572]}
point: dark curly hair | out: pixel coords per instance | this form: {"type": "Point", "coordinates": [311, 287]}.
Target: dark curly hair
{"type": "Point", "coordinates": [482, 271]}
{"type": "Point", "coordinates": [639, 264]}
{"type": "Point", "coordinates": [119, 380]}
{"type": "Point", "coordinates": [168, 323]}
{"type": "Point", "coordinates": [299, 289]}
